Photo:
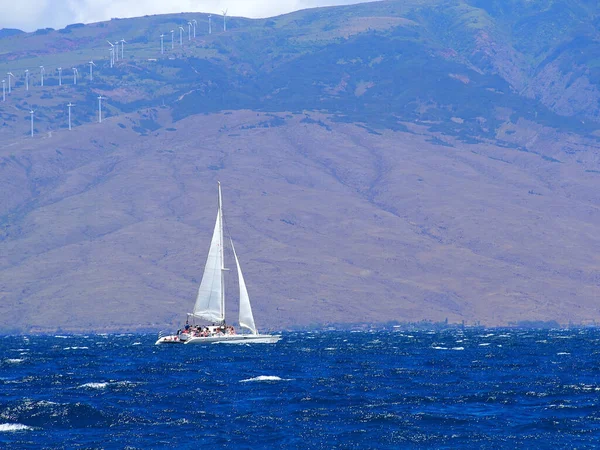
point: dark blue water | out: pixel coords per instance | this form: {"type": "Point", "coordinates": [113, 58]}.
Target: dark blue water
{"type": "Point", "coordinates": [453, 389]}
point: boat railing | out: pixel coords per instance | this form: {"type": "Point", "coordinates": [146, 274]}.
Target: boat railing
{"type": "Point", "coordinates": [163, 333]}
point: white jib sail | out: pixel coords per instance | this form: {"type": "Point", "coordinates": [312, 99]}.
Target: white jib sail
{"type": "Point", "coordinates": [246, 317]}
{"type": "Point", "coordinates": [208, 303]}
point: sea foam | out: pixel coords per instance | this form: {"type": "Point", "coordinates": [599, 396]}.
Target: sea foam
{"type": "Point", "coordinates": [13, 427]}
{"type": "Point", "coordinates": [265, 378]}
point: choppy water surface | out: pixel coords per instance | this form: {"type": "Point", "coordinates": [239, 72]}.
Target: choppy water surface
{"type": "Point", "coordinates": [452, 389]}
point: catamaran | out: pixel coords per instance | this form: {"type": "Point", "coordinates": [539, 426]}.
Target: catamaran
{"type": "Point", "coordinates": [210, 302]}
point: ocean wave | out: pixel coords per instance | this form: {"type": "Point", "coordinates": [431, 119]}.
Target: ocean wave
{"type": "Point", "coordinates": [104, 384]}
{"type": "Point", "coordinates": [265, 378]}
{"type": "Point", "coordinates": [13, 427]}
{"type": "Point", "coordinates": [14, 360]}
{"type": "Point", "coordinates": [93, 385]}
{"type": "Point", "coordinates": [76, 348]}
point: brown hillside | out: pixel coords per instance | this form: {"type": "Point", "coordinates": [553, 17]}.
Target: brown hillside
{"type": "Point", "coordinates": [104, 229]}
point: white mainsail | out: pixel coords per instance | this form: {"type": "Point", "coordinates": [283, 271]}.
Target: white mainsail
{"type": "Point", "coordinates": [209, 302]}
{"type": "Point", "coordinates": [246, 317]}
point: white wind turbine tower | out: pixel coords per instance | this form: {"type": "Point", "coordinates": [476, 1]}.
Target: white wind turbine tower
{"type": "Point", "coordinates": [181, 36]}
{"type": "Point", "coordinates": [162, 47]}
{"type": "Point", "coordinates": [91, 63]}
{"type": "Point", "coordinates": [59, 76]}
{"type": "Point", "coordinates": [9, 75]}
{"type": "Point", "coordinates": [100, 108]}
{"type": "Point", "coordinates": [26, 79]}
{"type": "Point", "coordinates": [194, 23]}
{"type": "Point", "coordinates": [172, 44]}
{"type": "Point", "coordinates": [75, 72]}
{"type": "Point", "coordinates": [31, 113]}
{"type": "Point", "coordinates": [112, 53]}
{"type": "Point", "coordinates": [117, 51]}
{"type": "Point", "coordinates": [189, 31]}
{"type": "Point", "coordinates": [122, 41]}
{"type": "Point", "coordinates": [70, 105]}
{"type": "Point", "coordinates": [3, 90]}
{"type": "Point", "coordinates": [225, 20]}
{"type": "Point", "coordinates": [42, 72]}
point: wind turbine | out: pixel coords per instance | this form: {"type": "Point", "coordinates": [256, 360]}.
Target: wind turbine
{"type": "Point", "coordinates": [194, 22]}
{"type": "Point", "coordinates": [9, 75]}
{"type": "Point", "coordinates": [181, 36]}
{"type": "Point", "coordinates": [75, 72]}
{"type": "Point", "coordinates": [225, 20]}
{"type": "Point", "coordinates": [172, 45]}
{"type": "Point", "coordinates": [31, 113]}
{"type": "Point", "coordinates": [100, 108]}
{"type": "Point", "coordinates": [69, 105]}
{"type": "Point", "coordinates": [42, 72]}
{"type": "Point", "coordinates": [59, 77]}
{"type": "Point", "coordinates": [162, 48]}
{"type": "Point", "coordinates": [26, 79]}
{"type": "Point", "coordinates": [3, 90]}
{"type": "Point", "coordinates": [122, 41]}
{"type": "Point", "coordinates": [91, 63]}
{"type": "Point", "coordinates": [112, 53]}
{"type": "Point", "coordinates": [189, 31]}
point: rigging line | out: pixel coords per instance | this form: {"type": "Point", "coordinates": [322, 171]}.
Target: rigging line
{"type": "Point", "coordinates": [226, 227]}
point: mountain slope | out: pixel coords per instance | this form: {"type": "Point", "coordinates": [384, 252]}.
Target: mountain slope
{"type": "Point", "coordinates": [334, 223]}
{"type": "Point", "coordinates": [420, 160]}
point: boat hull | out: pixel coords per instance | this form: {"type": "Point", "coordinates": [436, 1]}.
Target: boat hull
{"type": "Point", "coordinates": [171, 339]}
{"type": "Point", "coordinates": [235, 339]}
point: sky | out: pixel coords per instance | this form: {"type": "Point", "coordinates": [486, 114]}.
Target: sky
{"type": "Point", "coordinates": [33, 14]}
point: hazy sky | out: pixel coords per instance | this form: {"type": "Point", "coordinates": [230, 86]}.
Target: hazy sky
{"type": "Point", "coordinates": [30, 15]}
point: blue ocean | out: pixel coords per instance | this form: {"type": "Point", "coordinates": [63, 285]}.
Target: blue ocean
{"type": "Point", "coordinates": [469, 388]}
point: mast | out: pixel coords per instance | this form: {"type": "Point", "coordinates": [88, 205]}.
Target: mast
{"type": "Point", "coordinates": [222, 254]}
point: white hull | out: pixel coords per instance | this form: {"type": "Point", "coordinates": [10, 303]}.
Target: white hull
{"type": "Point", "coordinates": [173, 339]}
{"type": "Point", "coordinates": [236, 339]}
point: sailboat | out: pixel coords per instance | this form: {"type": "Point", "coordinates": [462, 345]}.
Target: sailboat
{"type": "Point", "coordinates": [210, 302]}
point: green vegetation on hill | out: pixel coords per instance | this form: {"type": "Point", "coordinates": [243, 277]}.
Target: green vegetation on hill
{"type": "Point", "coordinates": [453, 64]}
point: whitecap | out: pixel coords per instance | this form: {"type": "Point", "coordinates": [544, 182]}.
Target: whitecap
{"type": "Point", "coordinates": [93, 385]}
{"type": "Point", "coordinates": [76, 348]}
{"type": "Point", "coordinates": [563, 353]}
{"type": "Point", "coordinates": [440, 348]}
{"type": "Point", "coordinates": [137, 343]}
{"type": "Point", "coordinates": [61, 337]}
{"type": "Point", "coordinates": [14, 360]}
{"type": "Point", "coordinates": [331, 349]}
{"type": "Point", "coordinates": [265, 378]}
{"type": "Point", "coordinates": [485, 344]}
{"type": "Point", "coordinates": [458, 348]}
{"type": "Point", "coordinates": [13, 427]}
